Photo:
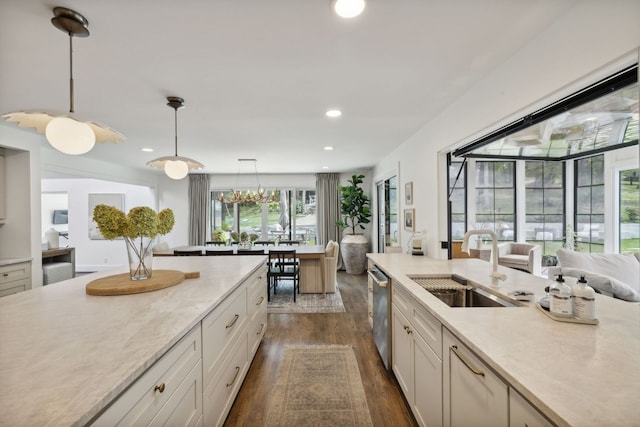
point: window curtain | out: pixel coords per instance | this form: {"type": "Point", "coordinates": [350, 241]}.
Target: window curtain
{"type": "Point", "coordinates": [198, 208]}
{"type": "Point", "coordinates": [328, 199]}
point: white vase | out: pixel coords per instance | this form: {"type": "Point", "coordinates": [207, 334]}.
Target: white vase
{"type": "Point", "coordinates": [353, 248]}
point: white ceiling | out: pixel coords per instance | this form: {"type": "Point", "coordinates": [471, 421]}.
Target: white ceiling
{"type": "Point", "coordinates": [257, 75]}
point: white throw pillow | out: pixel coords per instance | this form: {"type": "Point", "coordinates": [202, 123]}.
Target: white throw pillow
{"type": "Point", "coordinates": [622, 267]}
{"type": "Point", "coordinates": [605, 284]}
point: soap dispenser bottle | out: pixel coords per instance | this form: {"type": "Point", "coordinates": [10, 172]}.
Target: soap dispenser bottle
{"type": "Point", "coordinates": [560, 303]}
{"type": "Point", "coordinates": [584, 300]}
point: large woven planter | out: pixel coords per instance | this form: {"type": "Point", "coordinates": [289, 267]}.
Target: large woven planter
{"type": "Point", "coordinates": [353, 248]}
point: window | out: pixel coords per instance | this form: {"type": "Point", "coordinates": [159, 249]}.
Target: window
{"type": "Point", "coordinates": [496, 198]}
{"type": "Point", "coordinates": [589, 204]}
{"type": "Point", "coordinates": [629, 211]}
{"type": "Point", "coordinates": [292, 217]}
{"type": "Point", "coordinates": [458, 198]}
{"type": "Point", "coordinates": [544, 201]}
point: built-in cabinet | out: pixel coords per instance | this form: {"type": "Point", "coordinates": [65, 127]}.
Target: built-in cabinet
{"type": "Point", "coordinates": [196, 382]}
{"type": "Point", "coordinates": [15, 278]}
{"type": "Point", "coordinates": [443, 381]}
{"type": "Point", "coordinates": [417, 360]}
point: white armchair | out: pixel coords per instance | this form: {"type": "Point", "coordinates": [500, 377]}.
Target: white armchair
{"type": "Point", "coordinates": [331, 265]}
{"type": "Point", "coordinates": [522, 256]}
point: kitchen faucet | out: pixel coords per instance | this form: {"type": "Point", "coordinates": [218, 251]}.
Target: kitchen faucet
{"type": "Point", "coordinates": [495, 276]}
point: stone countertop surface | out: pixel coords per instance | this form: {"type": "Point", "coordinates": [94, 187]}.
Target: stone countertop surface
{"type": "Point", "coordinates": [576, 374]}
{"type": "Point", "coordinates": [65, 355]}
{"type": "Point", "coordinates": [9, 261]}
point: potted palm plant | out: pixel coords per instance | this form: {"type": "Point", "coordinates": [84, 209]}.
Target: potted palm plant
{"type": "Point", "coordinates": [354, 208]}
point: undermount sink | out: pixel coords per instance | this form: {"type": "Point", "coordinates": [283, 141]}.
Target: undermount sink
{"type": "Point", "coordinates": [455, 292]}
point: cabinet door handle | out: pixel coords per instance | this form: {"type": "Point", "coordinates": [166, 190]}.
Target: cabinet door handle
{"type": "Point", "coordinates": [261, 300]}
{"type": "Point", "coordinates": [408, 330]}
{"type": "Point", "coordinates": [234, 377]}
{"type": "Point", "coordinates": [261, 329]}
{"type": "Point", "coordinates": [159, 388]}
{"type": "Point", "coordinates": [476, 371]}
{"type": "Point", "coordinates": [233, 322]}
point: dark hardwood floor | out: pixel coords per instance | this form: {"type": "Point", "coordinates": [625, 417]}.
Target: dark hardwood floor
{"type": "Point", "coordinates": [384, 398]}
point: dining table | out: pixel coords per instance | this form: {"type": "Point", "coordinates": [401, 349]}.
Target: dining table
{"type": "Point", "coordinates": [312, 262]}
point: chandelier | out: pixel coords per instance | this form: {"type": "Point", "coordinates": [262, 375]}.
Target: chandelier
{"type": "Point", "coordinates": [176, 167]}
{"type": "Point", "coordinates": [66, 132]}
{"type": "Point", "coordinates": [258, 196]}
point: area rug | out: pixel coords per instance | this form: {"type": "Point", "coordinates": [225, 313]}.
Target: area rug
{"type": "Point", "coordinates": [319, 386]}
{"type": "Point", "coordinates": [282, 302]}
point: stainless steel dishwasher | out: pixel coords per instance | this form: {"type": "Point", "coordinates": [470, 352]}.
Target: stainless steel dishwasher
{"type": "Point", "coordinates": [381, 314]}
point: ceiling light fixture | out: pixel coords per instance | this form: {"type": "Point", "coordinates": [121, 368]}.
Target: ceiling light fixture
{"type": "Point", "coordinates": [328, 148]}
{"type": "Point", "coordinates": [259, 196]}
{"type": "Point", "coordinates": [176, 167]}
{"type": "Point", "coordinates": [333, 113]}
{"type": "Point", "coordinates": [348, 8]}
{"type": "Point", "coordinates": [64, 131]}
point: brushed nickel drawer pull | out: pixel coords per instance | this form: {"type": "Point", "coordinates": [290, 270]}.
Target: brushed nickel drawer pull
{"type": "Point", "coordinates": [234, 377]}
{"type": "Point", "coordinates": [454, 348]}
{"type": "Point", "coordinates": [233, 322]}
{"type": "Point", "coordinates": [261, 329]}
{"type": "Point", "coordinates": [408, 330]}
{"type": "Point", "coordinates": [261, 300]}
{"type": "Point", "coordinates": [159, 388]}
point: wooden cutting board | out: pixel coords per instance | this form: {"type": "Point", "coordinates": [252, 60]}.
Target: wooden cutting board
{"type": "Point", "coordinates": [121, 284]}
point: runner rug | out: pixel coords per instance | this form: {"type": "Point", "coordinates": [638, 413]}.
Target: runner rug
{"type": "Point", "coordinates": [319, 386]}
{"type": "Point", "coordinates": [282, 302]}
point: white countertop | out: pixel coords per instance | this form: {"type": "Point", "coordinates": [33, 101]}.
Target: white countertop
{"type": "Point", "coordinates": [64, 355]}
{"type": "Point", "coordinates": [9, 261]}
{"type": "Point", "coordinates": [578, 375]}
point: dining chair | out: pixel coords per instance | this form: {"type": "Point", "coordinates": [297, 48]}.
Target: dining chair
{"type": "Point", "coordinates": [254, 251]}
{"type": "Point", "coordinates": [264, 242]}
{"type": "Point", "coordinates": [219, 252]}
{"type": "Point", "coordinates": [187, 252]}
{"type": "Point", "coordinates": [216, 243]}
{"type": "Point", "coordinates": [283, 264]}
{"type": "Point", "coordinates": [289, 242]}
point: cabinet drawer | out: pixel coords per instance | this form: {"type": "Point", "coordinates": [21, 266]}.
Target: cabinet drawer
{"type": "Point", "coordinates": [428, 327]}
{"type": "Point", "coordinates": [257, 328]}
{"type": "Point", "coordinates": [220, 394]}
{"type": "Point", "coordinates": [14, 272]}
{"type": "Point", "coordinates": [146, 397]}
{"type": "Point", "coordinates": [257, 298]}
{"type": "Point", "coordinates": [14, 287]}
{"type": "Point", "coordinates": [522, 414]}
{"type": "Point", "coordinates": [402, 300]}
{"type": "Point", "coordinates": [219, 328]}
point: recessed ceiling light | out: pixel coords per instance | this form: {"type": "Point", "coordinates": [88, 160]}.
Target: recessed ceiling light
{"type": "Point", "coordinates": [325, 167]}
{"type": "Point", "coordinates": [147, 150]}
{"type": "Point", "coordinates": [333, 113]}
{"type": "Point", "coordinates": [328, 148]}
{"type": "Point", "coordinates": [348, 8]}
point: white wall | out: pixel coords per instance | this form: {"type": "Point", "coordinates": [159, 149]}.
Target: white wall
{"type": "Point", "coordinates": [95, 255]}
{"type": "Point", "coordinates": [567, 56]}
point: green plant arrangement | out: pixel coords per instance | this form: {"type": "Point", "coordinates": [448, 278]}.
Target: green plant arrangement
{"type": "Point", "coordinates": [138, 228]}
{"type": "Point", "coordinates": [354, 205]}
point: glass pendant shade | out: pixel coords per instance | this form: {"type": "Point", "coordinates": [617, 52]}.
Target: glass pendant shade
{"type": "Point", "coordinates": [348, 8]}
{"type": "Point", "coordinates": [176, 169]}
{"type": "Point", "coordinates": [70, 136]}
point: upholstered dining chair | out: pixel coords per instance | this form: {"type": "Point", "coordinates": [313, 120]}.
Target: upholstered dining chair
{"type": "Point", "coordinates": [331, 265]}
{"type": "Point", "coordinates": [283, 264]}
{"type": "Point", "coordinates": [187, 252]}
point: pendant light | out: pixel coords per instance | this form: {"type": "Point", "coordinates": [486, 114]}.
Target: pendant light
{"type": "Point", "coordinates": [348, 8]}
{"type": "Point", "coordinates": [257, 196]}
{"type": "Point", "coordinates": [65, 131]}
{"type": "Point", "coordinates": [176, 167]}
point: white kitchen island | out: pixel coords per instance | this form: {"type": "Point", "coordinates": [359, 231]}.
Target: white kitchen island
{"type": "Point", "coordinates": [65, 356]}
{"type": "Point", "coordinates": [574, 374]}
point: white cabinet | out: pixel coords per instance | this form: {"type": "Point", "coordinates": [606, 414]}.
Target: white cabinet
{"type": "Point", "coordinates": [2, 190]}
{"type": "Point", "coordinates": [169, 393]}
{"type": "Point", "coordinates": [231, 335]}
{"type": "Point", "coordinates": [416, 356]}
{"type": "Point", "coordinates": [15, 278]}
{"type": "Point", "coordinates": [522, 414]}
{"type": "Point", "coordinates": [473, 394]}
{"type": "Point", "coordinates": [370, 295]}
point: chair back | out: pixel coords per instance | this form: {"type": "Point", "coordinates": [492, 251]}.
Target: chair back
{"type": "Point", "coordinates": [251, 252]}
{"type": "Point", "coordinates": [216, 243]}
{"type": "Point", "coordinates": [289, 242]}
{"type": "Point", "coordinates": [264, 242]}
{"type": "Point", "coordinates": [280, 259]}
{"type": "Point", "coordinates": [187, 253]}
{"type": "Point", "coordinates": [219, 252]}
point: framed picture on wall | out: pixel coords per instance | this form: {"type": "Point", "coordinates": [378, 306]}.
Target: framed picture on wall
{"type": "Point", "coordinates": [115, 200]}
{"type": "Point", "coordinates": [408, 193]}
{"type": "Point", "coordinates": [410, 219]}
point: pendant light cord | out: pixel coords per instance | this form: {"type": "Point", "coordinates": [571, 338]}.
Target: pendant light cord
{"type": "Point", "coordinates": [71, 73]}
{"type": "Point", "coordinates": [176, 128]}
